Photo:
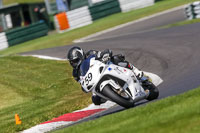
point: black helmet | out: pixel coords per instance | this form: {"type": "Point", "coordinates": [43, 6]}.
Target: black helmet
{"type": "Point", "coordinates": [75, 56]}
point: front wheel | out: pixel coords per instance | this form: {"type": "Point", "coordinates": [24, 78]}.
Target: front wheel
{"type": "Point", "coordinates": [115, 97]}
{"type": "Point", "coordinates": [153, 91]}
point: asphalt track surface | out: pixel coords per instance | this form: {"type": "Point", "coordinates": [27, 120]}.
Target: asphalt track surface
{"type": "Point", "coordinates": [146, 25]}
{"type": "Point", "coordinates": [173, 54]}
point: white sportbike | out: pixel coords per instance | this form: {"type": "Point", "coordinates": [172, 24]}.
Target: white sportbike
{"type": "Point", "coordinates": [115, 83]}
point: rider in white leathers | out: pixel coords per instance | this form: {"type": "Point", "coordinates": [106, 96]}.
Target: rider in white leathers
{"type": "Point", "coordinates": [76, 55]}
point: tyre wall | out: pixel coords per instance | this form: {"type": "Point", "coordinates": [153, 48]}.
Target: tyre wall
{"type": "Point", "coordinates": [23, 34]}
{"type": "Point", "coordinates": [104, 9]}
{"type": "Point", "coordinates": [192, 11]}
{"type": "Point", "coordinates": [78, 3]}
{"type": "Point", "coordinates": [79, 17]}
{"type": "Point", "coordinates": [3, 41]}
{"type": "Point", "coordinates": [127, 5]}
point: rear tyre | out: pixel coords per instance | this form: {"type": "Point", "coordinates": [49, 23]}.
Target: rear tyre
{"type": "Point", "coordinates": [110, 93]}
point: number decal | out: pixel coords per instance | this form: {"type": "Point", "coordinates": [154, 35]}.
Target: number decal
{"type": "Point", "coordinates": [88, 78]}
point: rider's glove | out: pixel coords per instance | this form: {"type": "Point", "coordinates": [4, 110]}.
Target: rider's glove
{"type": "Point", "coordinates": [104, 55]}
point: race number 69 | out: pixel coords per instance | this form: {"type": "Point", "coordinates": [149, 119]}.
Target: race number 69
{"type": "Point", "coordinates": [88, 78]}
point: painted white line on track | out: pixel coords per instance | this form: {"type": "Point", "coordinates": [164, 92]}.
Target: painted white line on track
{"type": "Point", "coordinates": [86, 39]}
{"type": "Point", "coordinates": [47, 57]}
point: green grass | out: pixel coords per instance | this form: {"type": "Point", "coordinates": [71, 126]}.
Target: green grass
{"type": "Point", "coordinates": [7, 2]}
{"type": "Point", "coordinates": [181, 23]}
{"type": "Point", "coordinates": [67, 38]}
{"type": "Point", "coordinates": [177, 114]}
{"type": "Point", "coordinates": [38, 90]}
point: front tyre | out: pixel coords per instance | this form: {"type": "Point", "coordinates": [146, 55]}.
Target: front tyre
{"type": "Point", "coordinates": [153, 91]}
{"type": "Point", "coordinates": [110, 93]}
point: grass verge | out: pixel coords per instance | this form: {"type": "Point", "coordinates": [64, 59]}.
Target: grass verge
{"type": "Point", "coordinates": [99, 25]}
{"type": "Point", "coordinates": [181, 23]}
{"type": "Point", "coordinates": [177, 114]}
{"type": "Point", "coordinates": [7, 2]}
{"type": "Point", "coordinates": [36, 89]}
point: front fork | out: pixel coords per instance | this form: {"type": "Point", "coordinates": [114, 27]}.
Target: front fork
{"type": "Point", "coordinates": [141, 93]}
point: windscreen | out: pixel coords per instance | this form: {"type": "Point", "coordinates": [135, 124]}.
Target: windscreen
{"type": "Point", "coordinates": [85, 65]}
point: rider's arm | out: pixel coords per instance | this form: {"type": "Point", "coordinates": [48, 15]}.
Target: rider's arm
{"type": "Point", "coordinates": [100, 55]}
{"type": "Point", "coordinates": [76, 77]}
{"type": "Point", "coordinates": [75, 74]}
{"type": "Point", "coordinates": [91, 52]}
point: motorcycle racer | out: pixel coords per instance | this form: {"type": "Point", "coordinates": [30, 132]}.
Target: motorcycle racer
{"type": "Point", "coordinates": [76, 56]}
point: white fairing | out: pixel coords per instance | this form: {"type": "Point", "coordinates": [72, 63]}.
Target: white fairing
{"type": "Point", "coordinates": [98, 70]}
{"type": "Point", "coordinates": [92, 76]}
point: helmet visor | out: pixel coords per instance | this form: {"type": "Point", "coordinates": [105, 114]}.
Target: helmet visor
{"type": "Point", "coordinates": [74, 62]}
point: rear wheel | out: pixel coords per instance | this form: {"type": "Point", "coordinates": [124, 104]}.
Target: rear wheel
{"type": "Point", "coordinates": [124, 101]}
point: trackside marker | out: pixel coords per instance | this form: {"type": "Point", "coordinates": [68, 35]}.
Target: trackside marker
{"type": "Point", "coordinates": [17, 119]}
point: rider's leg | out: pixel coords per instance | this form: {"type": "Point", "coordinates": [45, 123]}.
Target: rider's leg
{"type": "Point", "coordinates": [128, 65]}
{"type": "Point", "coordinates": [120, 60]}
{"type": "Point", "coordinates": [137, 72]}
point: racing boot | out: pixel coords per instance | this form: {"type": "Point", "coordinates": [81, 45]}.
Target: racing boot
{"type": "Point", "coordinates": [139, 74]}
{"type": "Point", "coordinates": [97, 100]}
